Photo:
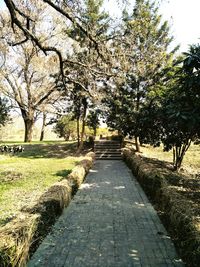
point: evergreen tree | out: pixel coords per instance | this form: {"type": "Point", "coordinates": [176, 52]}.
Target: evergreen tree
{"type": "Point", "coordinates": [66, 127]}
{"type": "Point", "coordinates": [146, 43]}
{"type": "Point", "coordinates": [85, 83]}
{"type": "Point", "coordinates": [93, 120]}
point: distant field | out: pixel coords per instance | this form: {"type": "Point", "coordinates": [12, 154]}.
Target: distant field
{"type": "Point", "coordinates": [25, 176]}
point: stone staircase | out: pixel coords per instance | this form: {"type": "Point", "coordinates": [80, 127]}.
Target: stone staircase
{"type": "Point", "coordinates": [105, 149]}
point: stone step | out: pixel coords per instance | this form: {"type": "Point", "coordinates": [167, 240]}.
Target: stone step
{"type": "Point", "coordinates": [107, 150]}
{"type": "Point", "coordinates": [107, 147]}
{"type": "Point", "coordinates": [107, 155]}
{"type": "Point", "coordinates": [111, 158]}
{"type": "Point", "coordinates": [107, 143]}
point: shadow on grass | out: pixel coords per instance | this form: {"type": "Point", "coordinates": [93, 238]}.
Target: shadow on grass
{"type": "Point", "coordinates": [159, 163]}
{"type": "Point", "coordinates": [48, 150]}
{"type": "Point", "coordinates": [63, 174]}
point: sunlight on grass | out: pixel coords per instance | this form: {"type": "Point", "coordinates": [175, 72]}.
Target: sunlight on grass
{"type": "Point", "coordinates": [25, 176]}
{"type": "Point", "coordinates": [191, 159]}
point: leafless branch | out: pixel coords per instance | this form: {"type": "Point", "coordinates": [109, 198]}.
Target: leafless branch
{"type": "Point", "coordinates": [29, 35]}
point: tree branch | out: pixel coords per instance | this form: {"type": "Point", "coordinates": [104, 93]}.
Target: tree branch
{"type": "Point", "coordinates": [15, 21]}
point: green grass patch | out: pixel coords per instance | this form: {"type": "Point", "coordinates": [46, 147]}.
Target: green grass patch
{"type": "Point", "coordinates": [25, 176]}
{"type": "Point", "coordinates": [191, 160]}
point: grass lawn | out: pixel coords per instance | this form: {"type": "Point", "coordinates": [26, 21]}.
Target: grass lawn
{"type": "Point", "coordinates": [25, 176]}
{"type": "Point", "coordinates": [191, 161]}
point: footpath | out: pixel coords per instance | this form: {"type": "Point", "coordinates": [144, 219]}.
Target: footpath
{"type": "Point", "coordinates": [109, 223]}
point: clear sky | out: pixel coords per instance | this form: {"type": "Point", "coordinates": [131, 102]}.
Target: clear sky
{"type": "Point", "coordinates": [184, 17]}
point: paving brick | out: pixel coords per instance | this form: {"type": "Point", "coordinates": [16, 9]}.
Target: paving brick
{"type": "Point", "coordinates": [109, 223]}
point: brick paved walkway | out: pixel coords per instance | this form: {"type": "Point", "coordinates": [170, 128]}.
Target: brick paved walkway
{"type": "Point", "coordinates": [109, 223]}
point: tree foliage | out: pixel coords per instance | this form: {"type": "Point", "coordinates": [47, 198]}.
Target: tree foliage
{"type": "Point", "coordinates": [145, 45]}
{"type": "Point", "coordinates": [66, 127]}
{"type": "Point", "coordinates": [82, 77]}
{"type": "Point", "coordinates": [93, 120]}
{"type": "Point", "coordinates": [129, 65]}
{"type": "Point", "coordinates": [174, 118]}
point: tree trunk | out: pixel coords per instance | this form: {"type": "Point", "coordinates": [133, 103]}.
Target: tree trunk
{"type": "Point", "coordinates": [43, 126]}
{"type": "Point", "coordinates": [95, 132]}
{"type": "Point", "coordinates": [137, 144]}
{"type": "Point", "coordinates": [67, 136]}
{"type": "Point", "coordinates": [179, 153]}
{"type": "Point", "coordinates": [178, 161]}
{"type": "Point", "coordinates": [78, 132]}
{"type": "Point", "coordinates": [29, 123]}
{"type": "Point", "coordinates": [28, 117]}
{"type": "Point", "coordinates": [83, 122]}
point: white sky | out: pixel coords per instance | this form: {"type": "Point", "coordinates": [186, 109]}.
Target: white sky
{"type": "Point", "coordinates": [184, 17]}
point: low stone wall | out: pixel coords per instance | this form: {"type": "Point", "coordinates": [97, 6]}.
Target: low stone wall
{"type": "Point", "coordinates": [179, 218]}
{"type": "Point", "coordinates": [20, 237]}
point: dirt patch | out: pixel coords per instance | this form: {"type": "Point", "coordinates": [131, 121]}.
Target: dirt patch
{"type": "Point", "coordinates": [176, 197]}
{"type": "Point", "coordinates": [10, 176]}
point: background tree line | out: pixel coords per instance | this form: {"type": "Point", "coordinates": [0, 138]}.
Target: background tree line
{"type": "Point", "coordinates": [72, 57]}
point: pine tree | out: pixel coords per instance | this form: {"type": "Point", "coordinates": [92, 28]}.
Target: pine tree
{"type": "Point", "coordinates": [146, 45]}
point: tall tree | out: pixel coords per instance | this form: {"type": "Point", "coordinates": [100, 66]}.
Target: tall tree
{"type": "Point", "coordinates": [174, 119]}
{"type": "Point", "coordinates": [28, 85]}
{"type": "Point", "coordinates": [145, 43]}
{"type": "Point", "coordinates": [44, 117]}
{"type": "Point", "coordinates": [85, 83]}
{"type": "Point", "coordinates": [28, 76]}
{"type": "Point", "coordinates": [23, 22]}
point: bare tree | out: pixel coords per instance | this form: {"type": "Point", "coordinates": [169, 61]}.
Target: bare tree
{"type": "Point", "coordinates": [28, 85]}
{"type": "Point", "coordinates": [84, 59]}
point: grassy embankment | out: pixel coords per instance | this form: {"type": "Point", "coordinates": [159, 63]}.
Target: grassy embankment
{"type": "Point", "coordinates": [191, 162]}
{"type": "Point", "coordinates": [25, 176]}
